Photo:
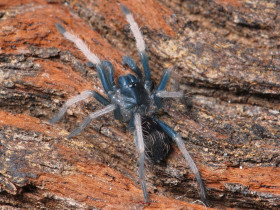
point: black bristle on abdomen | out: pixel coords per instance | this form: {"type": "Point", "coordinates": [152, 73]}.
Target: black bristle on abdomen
{"type": "Point", "coordinates": [157, 142]}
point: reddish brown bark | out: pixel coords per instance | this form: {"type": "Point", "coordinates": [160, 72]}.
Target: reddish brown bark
{"type": "Point", "coordinates": [227, 56]}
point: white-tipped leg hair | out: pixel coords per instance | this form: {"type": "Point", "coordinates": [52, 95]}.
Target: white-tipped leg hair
{"type": "Point", "coordinates": [134, 29]}
{"type": "Point", "coordinates": [140, 44]}
{"type": "Point", "coordinates": [79, 43]}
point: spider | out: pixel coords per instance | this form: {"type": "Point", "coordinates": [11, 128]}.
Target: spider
{"type": "Point", "coordinates": [134, 101]}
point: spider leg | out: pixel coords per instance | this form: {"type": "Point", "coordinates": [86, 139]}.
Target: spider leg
{"type": "Point", "coordinates": [90, 64]}
{"type": "Point", "coordinates": [164, 79]}
{"type": "Point", "coordinates": [161, 93]}
{"type": "Point", "coordinates": [101, 99]}
{"type": "Point", "coordinates": [89, 55]}
{"type": "Point", "coordinates": [178, 139]}
{"type": "Point", "coordinates": [79, 43]}
{"type": "Point", "coordinates": [139, 142]}
{"type": "Point", "coordinates": [140, 45]}
{"type": "Point", "coordinates": [85, 94]}
{"type": "Point", "coordinates": [91, 116]}
{"type": "Point", "coordinates": [162, 84]}
{"type": "Point", "coordinates": [127, 60]}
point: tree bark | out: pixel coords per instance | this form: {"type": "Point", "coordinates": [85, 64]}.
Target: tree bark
{"type": "Point", "coordinates": [225, 55]}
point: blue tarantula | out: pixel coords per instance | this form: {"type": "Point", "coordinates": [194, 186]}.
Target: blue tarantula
{"type": "Point", "coordinates": [133, 100]}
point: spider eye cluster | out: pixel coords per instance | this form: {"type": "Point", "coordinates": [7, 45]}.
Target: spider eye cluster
{"type": "Point", "coordinates": [132, 85]}
{"type": "Point", "coordinates": [127, 80]}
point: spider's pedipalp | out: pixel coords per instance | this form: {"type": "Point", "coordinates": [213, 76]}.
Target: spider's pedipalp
{"type": "Point", "coordinates": [85, 94]}
{"type": "Point", "coordinates": [79, 43]}
{"type": "Point", "coordinates": [104, 79]}
{"type": "Point", "coordinates": [127, 60]}
{"type": "Point", "coordinates": [178, 139]}
{"type": "Point", "coordinates": [110, 69]}
{"type": "Point", "coordinates": [166, 94]}
{"type": "Point", "coordinates": [139, 141]}
{"type": "Point", "coordinates": [91, 116]}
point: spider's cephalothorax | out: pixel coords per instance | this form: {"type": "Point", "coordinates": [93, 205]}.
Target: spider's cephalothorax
{"type": "Point", "coordinates": [133, 100]}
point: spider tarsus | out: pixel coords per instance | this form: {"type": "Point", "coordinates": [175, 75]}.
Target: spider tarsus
{"type": "Point", "coordinates": [203, 196]}
{"type": "Point", "coordinates": [125, 10]}
{"type": "Point", "coordinates": [80, 128]}
{"type": "Point", "coordinates": [53, 120]}
{"type": "Point", "coordinates": [203, 203]}
{"type": "Point", "coordinates": [145, 193]}
{"type": "Point", "coordinates": [70, 136]}
{"type": "Point", "coordinates": [60, 114]}
{"type": "Point", "coordinates": [74, 133]}
{"type": "Point", "coordinates": [60, 28]}
{"type": "Point", "coordinates": [90, 64]}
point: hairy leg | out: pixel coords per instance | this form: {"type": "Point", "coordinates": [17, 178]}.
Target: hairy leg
{"type": "Point", "coordinates": [91, 116]}
{"type": "Point", "coordinates": [127, 60]}
{"type": "Point", "coordinates": [139, 141]}
{"type": "Point", "coordinates": [79, 43]}
{"type": "Point", "coordinates": [85, 94]}
{"type": "Point", "coordinates": [164, 79]}
{"type": "Point", "coordinates": [177, 138]}
{"type": "Point", "coordinates": [89, 55]}
{"type": "Point", "coordinates": [140, 46]}
{"type": "Point", "coordinates": [101, 99]}
{"type": "Point", "coordinates": [161, 93]}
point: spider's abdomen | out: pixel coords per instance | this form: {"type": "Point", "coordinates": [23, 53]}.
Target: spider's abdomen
{"type": "Point", "coordinates": [157, 142]}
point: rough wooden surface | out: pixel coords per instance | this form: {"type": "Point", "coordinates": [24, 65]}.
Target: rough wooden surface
{"type": "Point", "coordinates": [226, 53]}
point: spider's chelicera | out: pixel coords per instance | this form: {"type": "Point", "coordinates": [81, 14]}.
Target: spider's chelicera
{"type": "Point", "coordinates": [133, 100]}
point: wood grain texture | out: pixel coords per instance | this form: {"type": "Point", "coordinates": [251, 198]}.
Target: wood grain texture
{"type": "Point", "coordinates": [225, 54]}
